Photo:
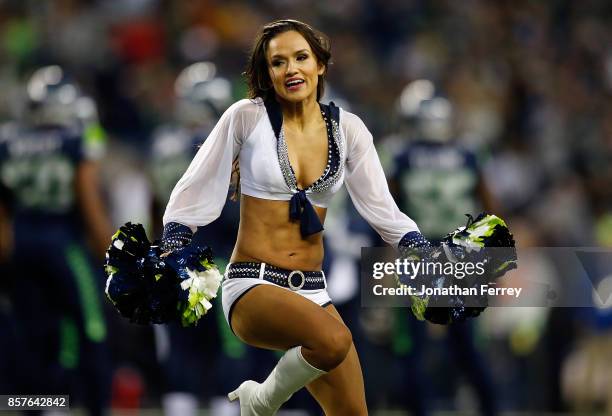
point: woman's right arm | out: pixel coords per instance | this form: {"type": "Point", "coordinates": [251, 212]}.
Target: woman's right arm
{"type": "Point", "coordinates": [199, 196]}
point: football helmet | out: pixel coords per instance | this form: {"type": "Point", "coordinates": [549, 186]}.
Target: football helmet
{"type": "Point", "coordinates": [201, 95]}
{"type": "Point", "coordinates": [53, 98]}
{"type": "Point", "coordinates": [428, 115]}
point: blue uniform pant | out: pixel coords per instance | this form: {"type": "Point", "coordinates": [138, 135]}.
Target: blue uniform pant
{"type": "Point", "coordinates": [57, 297]}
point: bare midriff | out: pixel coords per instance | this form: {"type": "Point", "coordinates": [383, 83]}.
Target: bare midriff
{"type": "Point", "coordinates": [266, 234]}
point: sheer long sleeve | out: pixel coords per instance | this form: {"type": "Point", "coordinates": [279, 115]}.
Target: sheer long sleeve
{"type": "Point", "coordinates": [366, 183]}
{"type": "Point", "coordinates": [199, 196]}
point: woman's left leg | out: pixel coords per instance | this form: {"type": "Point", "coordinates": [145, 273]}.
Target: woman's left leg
{"type": "Point", "coordinates": [340, 392]}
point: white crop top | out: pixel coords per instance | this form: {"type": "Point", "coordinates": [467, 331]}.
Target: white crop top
{"type": "Point", "coordinates": [247, 131]}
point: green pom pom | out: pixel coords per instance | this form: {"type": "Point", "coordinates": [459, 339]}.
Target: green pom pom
{"type": "Point", "coordinates": [477, 232]}
{"type": "Point", "coordinates": [418, 306]}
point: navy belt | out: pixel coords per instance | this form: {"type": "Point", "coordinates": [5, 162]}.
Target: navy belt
{"type": "Point", "coordinates": [291, 279]}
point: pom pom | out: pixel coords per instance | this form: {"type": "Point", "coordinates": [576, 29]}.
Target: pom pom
{"type": "Point", "coordinates": [199, 280]}
{"type": "Point", "coordinates": [148, 288]}
{"type": "Point", "coordinates": [485, 240]}
{"type": "Point", "coordinates": [125, 286]}
{"type": "Point", "coordinates": [201, 287]}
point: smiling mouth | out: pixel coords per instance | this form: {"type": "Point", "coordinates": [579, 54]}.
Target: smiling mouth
{"type": "Point", "coordinates": [294, 84]}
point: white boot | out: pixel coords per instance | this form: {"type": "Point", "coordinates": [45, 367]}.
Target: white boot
{"type": "Point", "coordinates": [290, 374]}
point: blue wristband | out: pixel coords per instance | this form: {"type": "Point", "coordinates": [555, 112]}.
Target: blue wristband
{"type": "Point", "coordinates": [175, 236]}
{"type": "Point", "coordinates": [414, 243]}
{"type": "Point", "coordinates": [413, 239]}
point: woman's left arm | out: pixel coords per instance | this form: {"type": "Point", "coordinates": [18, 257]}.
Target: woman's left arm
{"type": "Point", "coordinates": [366, 183]}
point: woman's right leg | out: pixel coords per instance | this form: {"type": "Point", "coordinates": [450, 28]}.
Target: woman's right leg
{"type": "Point", "coordinates": [275, 318]}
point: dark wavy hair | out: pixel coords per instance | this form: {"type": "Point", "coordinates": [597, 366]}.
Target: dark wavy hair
{"type": "Point", "coordinates": [256, 73]}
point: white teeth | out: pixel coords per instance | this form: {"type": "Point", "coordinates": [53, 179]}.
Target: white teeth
{"type": "Point", "coordinates": [294, 82]}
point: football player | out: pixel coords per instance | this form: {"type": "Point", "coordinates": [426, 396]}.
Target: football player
{"type": "Point", "coordinates": [437, 181]}
{"type": "Point", "coordinates": [48, 160]}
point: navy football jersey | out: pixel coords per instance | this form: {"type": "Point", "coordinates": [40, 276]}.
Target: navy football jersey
{"type": "Point", "coordinates": [39, 166]}
{"type": "Point", "coordinates": [438, 185]}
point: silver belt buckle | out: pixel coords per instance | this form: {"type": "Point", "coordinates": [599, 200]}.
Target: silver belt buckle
{"type": "Point", "coordinates": [290, 283]}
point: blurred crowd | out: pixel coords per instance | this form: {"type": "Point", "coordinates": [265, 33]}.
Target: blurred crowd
{"type": "Point", "coordinates": [530, 87]}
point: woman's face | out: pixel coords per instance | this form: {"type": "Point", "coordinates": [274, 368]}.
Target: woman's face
{"type": "Point", "coordinates": [293, 67]}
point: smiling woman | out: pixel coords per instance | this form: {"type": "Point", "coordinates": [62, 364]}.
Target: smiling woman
{"type": "Point", "coordinates": [303, 40]}
{"type": "Point", "coordinates": [293, 68]}
{"type": "Point", "coordinates": [294, 154]}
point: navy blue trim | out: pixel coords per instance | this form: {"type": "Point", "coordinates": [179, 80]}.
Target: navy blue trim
{"type": "Point", "coordinates": [275, 115]}
{"type": "Point", "coordinates": [326, 304]}
{"type": "Point", "coordinates": [300, 208]}
{"type": "Point", "coordinates": [332, 111]}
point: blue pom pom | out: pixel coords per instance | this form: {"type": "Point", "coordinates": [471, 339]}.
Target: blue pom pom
{"type": "Point", "coordinates": [146, 288]}
{"type": "Point", "coordinates": [473, 243]}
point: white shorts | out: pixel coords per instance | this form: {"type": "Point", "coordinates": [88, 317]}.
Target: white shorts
{"type": "Point", "coordinates": [234, 289]}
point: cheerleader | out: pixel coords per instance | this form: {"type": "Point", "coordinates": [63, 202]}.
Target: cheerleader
{"type": "Point", "coordinates": [290, 154]}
